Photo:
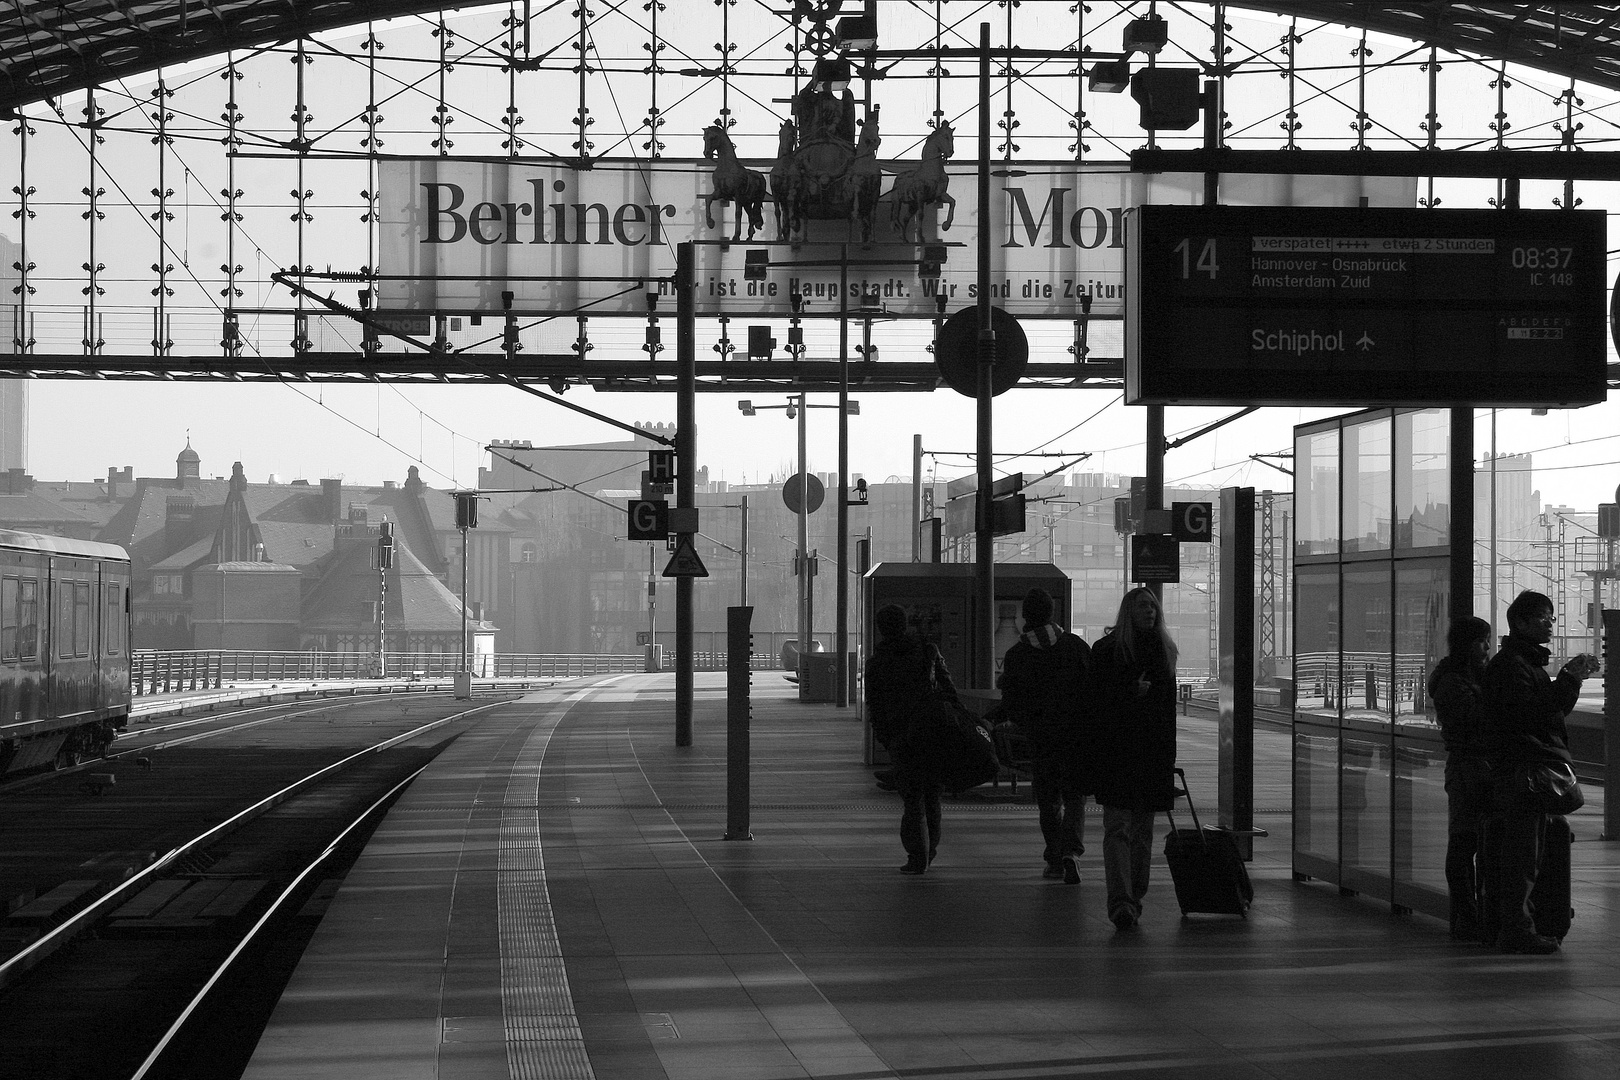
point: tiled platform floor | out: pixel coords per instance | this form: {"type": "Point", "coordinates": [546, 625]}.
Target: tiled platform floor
{"type": "Point", "coordinates": [671, 952]}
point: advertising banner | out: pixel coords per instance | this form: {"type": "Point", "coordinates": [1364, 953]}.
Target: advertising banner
{"type": "Point", "coordinates": [457, 234]}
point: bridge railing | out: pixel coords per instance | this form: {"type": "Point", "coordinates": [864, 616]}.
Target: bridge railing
{"type": "Point", "coordinates": [159, 671]}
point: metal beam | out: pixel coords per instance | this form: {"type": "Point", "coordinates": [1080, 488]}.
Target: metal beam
{"type": "Point", "coordinates": [638, 375]}
{"type": "Point", "coordinates": [1484, 164]}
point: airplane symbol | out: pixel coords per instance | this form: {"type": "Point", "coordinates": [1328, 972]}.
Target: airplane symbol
{"type": "Point", "coordinates": [1364, 342]}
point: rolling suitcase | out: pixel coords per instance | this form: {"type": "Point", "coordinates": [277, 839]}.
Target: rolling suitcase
{"type": "Point", "coordinates": [1550, 904]}
{"type": "Point", "coordinates": [1206, 866]}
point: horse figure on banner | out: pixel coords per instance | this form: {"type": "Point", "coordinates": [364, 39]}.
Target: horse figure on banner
{"type": "Point", "coordinates": [863, 180]}
{"type": "Point", "coordinates": [925, 186]}
{"type": "Point", "coordinates": [733, 183]}
{"type": "Point", "coordinates": [784, 183]}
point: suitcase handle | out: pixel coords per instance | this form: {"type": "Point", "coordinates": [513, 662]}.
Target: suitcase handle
{"type": "Point", "coordinates": [1181, 789]}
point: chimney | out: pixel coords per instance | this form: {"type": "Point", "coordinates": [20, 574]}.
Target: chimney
{"type": "Point", "coordinates": [332, 500]}
{"type": "Point", "coordinates": [179, 515]}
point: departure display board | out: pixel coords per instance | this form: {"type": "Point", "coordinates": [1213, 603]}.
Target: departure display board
{"type": "Point", "coordinates": [1370, 306]}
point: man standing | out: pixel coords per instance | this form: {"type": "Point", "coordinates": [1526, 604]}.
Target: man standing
{"type": "Point", "coordinates": [1524, 717]}
{"type": "Point", "coordinates": [1044, 685]}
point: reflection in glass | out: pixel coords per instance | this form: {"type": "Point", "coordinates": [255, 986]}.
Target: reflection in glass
{"type": "Point", "coordinates": [1423, 479]}
{"type": "Point", "coordinates": [1316, 641]}
{"type": "Point", "coordinates": [1316, 493]}
{"type": "Point", "coordinates": [1316, 792]}
{"type": "Point", "coordinates": [1367, 486]}
{"type": "Point", "coordinates": [1422, 598]}
{"type": "Point", "coordinates": [1366, 627]}
{"type": "Point", "coordinates": [1420, 818]}
{"type": "Point", "coordinates": [1365, 804]}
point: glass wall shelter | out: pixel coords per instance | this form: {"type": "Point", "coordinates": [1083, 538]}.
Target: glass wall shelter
{"type": "Point", "coordinates": [1372, 582]}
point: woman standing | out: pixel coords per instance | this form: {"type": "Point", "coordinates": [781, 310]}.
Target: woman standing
{"type": "Point", "coordinates": [1458, 694]}
{"type": "Point", "coordinates": [1134, 668]}
{"type": "Point", "coordinates": [906, 680]}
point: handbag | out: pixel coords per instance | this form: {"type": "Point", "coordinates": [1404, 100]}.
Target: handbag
{"type": "Point", "coordinates": [945, 743]}
{"type": "Point", "coordinates": [1545, 788]}
{"type": "Point", "coordinates": [972, 760]}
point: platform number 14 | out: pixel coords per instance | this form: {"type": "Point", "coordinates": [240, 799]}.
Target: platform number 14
{"type": "Point", "coordinates": [1206, 263]}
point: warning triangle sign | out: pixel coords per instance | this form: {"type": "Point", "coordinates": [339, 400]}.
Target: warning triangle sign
{"type": "Point", "coordinates": [685, 561]}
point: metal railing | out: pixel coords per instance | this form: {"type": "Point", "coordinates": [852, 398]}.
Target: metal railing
{"type": "Point", "coordinates": [161, 671]}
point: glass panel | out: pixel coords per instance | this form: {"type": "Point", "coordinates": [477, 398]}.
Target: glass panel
{"type": "Point", "coordinates": [1367, 485]}
{"type": "Point", "coordinates": [1364, 834]}
{"type": "Point", "coordinates": [1521, 554]}
{"type": "Point", "coordinates": [1316, 494]}
{"type": "Point", "coordinates": [1316, 791]}
{"type": "Point", "coordinates": [1423, 479]}
{"type": "Point", "coordinates": [1367, 644]}
{"type": "Point", "coordinates": [1422, 599]}
{"type": "Point", "coordinates": [1420, 814]}
{"type": "Point", "coordinates": [81, 618]}
{"type": "Point", "coordinates": [28, 619]}
{"type": "Point", "coordinates": [1316, 641]}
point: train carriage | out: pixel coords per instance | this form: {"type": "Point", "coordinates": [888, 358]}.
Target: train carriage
{"type": "Point", "coordinates": [64, 649]}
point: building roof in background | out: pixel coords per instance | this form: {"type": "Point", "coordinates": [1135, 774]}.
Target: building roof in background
{"type": "Point", "coordinates": [417, 599]}
{"type": "Point", "coordinates": [33, 511]}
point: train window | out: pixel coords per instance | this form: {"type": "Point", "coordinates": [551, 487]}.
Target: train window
{"type": "Point", "coordinates": [112, 622]}
{"type": "Point", "coordinates": [8, 619]}
{"type": "Point", "coordinates": [27, 619]}
{"type": "Point", "coordinates": [81, 618]}
{"type": "Point", "coordinates": [62, 631]}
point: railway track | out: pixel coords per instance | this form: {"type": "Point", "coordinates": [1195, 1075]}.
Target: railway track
{"type": "Point", "coordinates": [167, 912]}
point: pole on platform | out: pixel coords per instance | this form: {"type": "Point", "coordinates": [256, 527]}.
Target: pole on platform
{"type": "Point", "coordinates": [685, 470]}
{"type": "Point", "coordinates": [1235, 772]}
{"type": "Point", "coordinates": [984, 540]}
{"type": "Point", "coordinates": [841, 593]}
{"type": "Point", "coordinates": [803, 520]}
{"type": "Point", "coordinates": [739, 709]}
{"type": "Point", "coordinates": [1610, 620]}
{"type": "Point", "coordinates": [463, 673]}
{"type": "Point", "coordinates": [1462, 518]}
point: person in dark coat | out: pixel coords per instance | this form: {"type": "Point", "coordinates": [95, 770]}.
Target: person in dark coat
{"type": "Point", "coordinates": [904, 676]}
{"type": "Point", "coordinates": [1133, 671]}
{"type": "Point", "coordinates": [1045, 683]}
{"type": "Point", "coordinates": [1524, 725]}
{"type": "Point", "coordinates": [1457, 689]}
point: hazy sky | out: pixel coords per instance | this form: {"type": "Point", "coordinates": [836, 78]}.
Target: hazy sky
{"type": "Point", "coordinates": [369, 434]}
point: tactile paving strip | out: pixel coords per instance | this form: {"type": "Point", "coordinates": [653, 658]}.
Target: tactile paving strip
{"type": "Point", "coordinates": [543, 1040]}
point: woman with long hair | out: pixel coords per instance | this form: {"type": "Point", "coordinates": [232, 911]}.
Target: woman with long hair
{"type": "Point", "coordinates": [1457, 689]}
{"type": "Point", "coordinates": [1134, 668]}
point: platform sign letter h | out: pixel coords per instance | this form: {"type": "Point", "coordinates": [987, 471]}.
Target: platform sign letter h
{"type": "Point", "coordinates": [660, 466]}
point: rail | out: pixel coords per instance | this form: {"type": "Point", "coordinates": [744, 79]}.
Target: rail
{"type": "Point", "coordinates": [168, 671]}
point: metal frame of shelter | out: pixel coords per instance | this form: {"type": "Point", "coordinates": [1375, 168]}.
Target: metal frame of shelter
{"type": "Point", "coordinates": [112, 99]}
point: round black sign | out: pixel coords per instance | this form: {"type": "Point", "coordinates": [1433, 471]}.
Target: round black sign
{"type": "Point", "coordinates": [956, 351]}
{"type": "Point", "coordinates": [795, 484]}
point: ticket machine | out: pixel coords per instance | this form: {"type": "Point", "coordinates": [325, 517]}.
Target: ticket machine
{"type": "Point", "coordinates": [939, 600]}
